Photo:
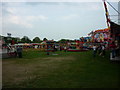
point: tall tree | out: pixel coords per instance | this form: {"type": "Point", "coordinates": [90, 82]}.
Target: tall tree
{"type": "Point", "coordinates": [45, 39]}
{"type": "Point", "coordinates": [25, 39]}
{"type": "Point", "coordinates": [36, 40]}
{"type": "Point", "coordinates": [63, 40]}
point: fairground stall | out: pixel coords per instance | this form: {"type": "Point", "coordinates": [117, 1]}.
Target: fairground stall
{"type": "Point", "coordinates": [47, 45]}
{"type": "Point", "coordinates": [85, 42]}
{"type": "Point", "coordinates": [101, 36]}
{"type": "Point", "coordinates": [43, 46]}
{"type": "Point", "coordinates": [63, 44]}
{"type": "Point", "coordinates": [76, 46]}
{"type": "Point", "coordinates": [50, 46]}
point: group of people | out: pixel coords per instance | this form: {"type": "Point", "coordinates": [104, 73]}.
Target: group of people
{"type": "Point", "coordinates": [115, 49]}
{"type": "Point", "coordinates": [15, 51]}
{"type": "Point", "coordinates": [100, 50]}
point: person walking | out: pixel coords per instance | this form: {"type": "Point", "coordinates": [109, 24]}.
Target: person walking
{"type": "Point", "coordinates": [99, 49]}
{"type": "Point", "coordinates": [19, 51]}
{"type": "Point", "coordinates": [15, 52]}
{"type": "Point", "coordinates": [103, 51]}
{"type": "Point", "coordinates": [113, 47]}
{"type": "Point", "coordinates": [94, 50]}
{"type": "Point", "coordinates": [65, 49]}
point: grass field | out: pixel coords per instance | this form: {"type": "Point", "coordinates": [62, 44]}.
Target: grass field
{"type": "Point", "coordinates": [65, 70]}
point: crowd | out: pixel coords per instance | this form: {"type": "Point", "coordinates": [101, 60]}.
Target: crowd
{"type": "Point", "coordinates": [101, 49]}
{"type": "Point", "coordinates": [14, 51]}
{"type": "Point", "coordinates": [115, 49]}
{"type": "Point", "coordinates": [98, 49]}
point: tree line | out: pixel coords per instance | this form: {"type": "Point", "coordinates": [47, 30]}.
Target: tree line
{"type": "Point", "coordinates": [26, 39]}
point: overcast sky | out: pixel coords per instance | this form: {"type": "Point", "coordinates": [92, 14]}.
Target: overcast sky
{"type": "Point", "coordinates": [53, 20]}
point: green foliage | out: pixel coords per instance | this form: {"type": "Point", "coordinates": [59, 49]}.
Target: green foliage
{"type": "Point", "coordinates": [25, 39]}
{"type": "Point", "coordinates": [6, 39]}
{"type": "Point", "coordinates": [63, 40]}
{"type": "Point", "coordinates": [45, 39]}
{"type": "Point", "coordinates": [36, 40]}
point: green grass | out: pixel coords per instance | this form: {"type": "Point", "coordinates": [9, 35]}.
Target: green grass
{"type": "Point", "coordinates": [65, 70]}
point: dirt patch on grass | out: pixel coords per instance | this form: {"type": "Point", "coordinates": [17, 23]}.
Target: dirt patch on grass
{"type": "Point", "coordinates": [15, 73]}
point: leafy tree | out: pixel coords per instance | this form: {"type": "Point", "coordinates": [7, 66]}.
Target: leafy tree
{"type": "Point", "coordinates": [45, 39]}
{"type": "Point", "coordinates": [36, 40]}
{"type": "Point", "coordinates": [63, 40]}
{"type": "Point", "coordinates": [7, 40]}
{"type": "Point", "coordinates": [25, 39]}
{"type": "Point", "coordinates": [18, 39]}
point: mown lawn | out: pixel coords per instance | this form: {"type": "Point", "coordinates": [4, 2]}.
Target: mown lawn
{"type": "Point", "coordinates": [65, 70]}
